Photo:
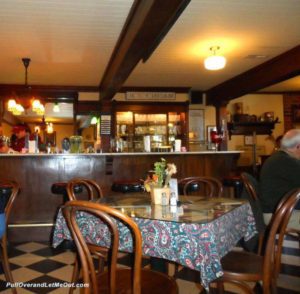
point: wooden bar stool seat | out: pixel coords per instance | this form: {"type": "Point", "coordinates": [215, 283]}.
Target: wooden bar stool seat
{"type": "Point", "coordinates": [127, 186]}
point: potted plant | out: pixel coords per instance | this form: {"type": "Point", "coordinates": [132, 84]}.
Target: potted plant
{"type": "Point", "coordinates": [158, 182]}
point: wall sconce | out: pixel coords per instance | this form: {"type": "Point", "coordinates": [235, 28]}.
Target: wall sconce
{"type": "Point", "coordinates": [94, 120]}
{"type": "Point", "coordinates": [49, 128]}
{"type": "Point", "coordinates": [56, 107]}
{"type": "Point", "coordinates": [214, 62]}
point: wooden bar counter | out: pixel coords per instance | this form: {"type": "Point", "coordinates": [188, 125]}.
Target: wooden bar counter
{"type": "Point", "coordinates": [35, 207]}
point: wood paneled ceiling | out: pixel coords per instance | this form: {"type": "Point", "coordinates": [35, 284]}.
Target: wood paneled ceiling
{"type": "Point", "coordinates": [70, 42]}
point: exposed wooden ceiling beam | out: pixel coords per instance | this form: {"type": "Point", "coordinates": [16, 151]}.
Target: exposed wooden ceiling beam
{"type": "Point", "coordinates": [147, 24]}
{"type": "Point", "coordinates": [278, 69]}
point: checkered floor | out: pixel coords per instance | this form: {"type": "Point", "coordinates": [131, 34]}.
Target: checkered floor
{"type": "Point", "coordinates": [40, 263]}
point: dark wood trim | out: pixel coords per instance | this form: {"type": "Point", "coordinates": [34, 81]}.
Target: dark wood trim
{"type": "Point", "coordinates": [153, 107]}
{"type": "Point", "coordinates": [4, 88]}
{"type": "Point", "coordinates": [155, 89]}
{"type": "Point", "coordinates": [276, 70]}
{"type": "Point", "coordinates": [146, 25]}
{"type": "Point", "coordinates": [278, 93]}
{"type": "Point", "coordinates": [87, 107]}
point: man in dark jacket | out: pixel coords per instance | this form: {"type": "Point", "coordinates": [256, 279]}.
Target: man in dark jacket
{"type": "Point", "coordinates": [281, 174]}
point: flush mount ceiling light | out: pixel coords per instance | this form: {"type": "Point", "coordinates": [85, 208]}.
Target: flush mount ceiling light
{"type": "Point", "coordinates": [214, 62]}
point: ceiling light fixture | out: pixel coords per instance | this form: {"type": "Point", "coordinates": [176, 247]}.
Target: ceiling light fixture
{"type": "Point", "coordinates": [17, 108]}
{"type": "Point", "coordinates": [214, 62]}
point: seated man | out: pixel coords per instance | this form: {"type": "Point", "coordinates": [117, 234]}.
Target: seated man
{"type": "Point", "coordinates": [279, 175]}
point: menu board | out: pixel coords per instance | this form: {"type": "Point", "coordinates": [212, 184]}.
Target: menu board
{"type": "Point", "coordinates": [105, 124]}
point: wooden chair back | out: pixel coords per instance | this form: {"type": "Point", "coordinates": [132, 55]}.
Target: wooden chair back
{"type": "Point", "coordinates": [251, 185]}
{"type": "Point", "coordinates": [109, 216]}
{"type": "Point", "coordinates": [277, 230]}
{"type": "Point", "coordinates": [90, 185]}
{"type": "Point", "coordinates": [15, 188]}
{"type": "Point", "coordinates": [250, 193]}
{"type": "Point", "coordinates": [210, 186]}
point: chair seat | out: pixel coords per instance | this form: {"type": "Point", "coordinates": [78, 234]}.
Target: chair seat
{"type": "Point", "coordinates": [247, 264]}
{"type": "Point", "coordinates": [151, 282]}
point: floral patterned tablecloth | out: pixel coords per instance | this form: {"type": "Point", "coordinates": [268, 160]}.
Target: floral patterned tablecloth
{"type": "Point", "coordinates": [199, 246]}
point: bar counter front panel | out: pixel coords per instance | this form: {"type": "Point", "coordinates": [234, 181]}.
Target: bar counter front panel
{"type": "Point", "coordinates": [35, 208]}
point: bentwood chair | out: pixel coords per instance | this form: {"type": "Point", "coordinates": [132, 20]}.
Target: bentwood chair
{"type": "Point", "coordinates": [94, 192]}
{"type": "Point", "coordinates": [114, 280]}
{"type": "Point", "coordinates": [250, 193]}
{"type": "Point", "coordinates": [13, 189]}
{"type": "Point", "coordinates": [208, 186]}
{"type": "Point", "coordinates": [240, 267]}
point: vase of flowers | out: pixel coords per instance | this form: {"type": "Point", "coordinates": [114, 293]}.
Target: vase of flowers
{"type": "Point", "coordinates": [157, 183]}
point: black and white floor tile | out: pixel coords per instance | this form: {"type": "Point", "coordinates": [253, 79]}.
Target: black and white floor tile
{"type": "Point", "coordinates": [38, 263]}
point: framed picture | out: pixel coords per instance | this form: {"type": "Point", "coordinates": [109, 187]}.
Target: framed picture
{"type": "Point", "coordinates": [296, 113]}
{"type": "Point", "coordinates": [248, 140]}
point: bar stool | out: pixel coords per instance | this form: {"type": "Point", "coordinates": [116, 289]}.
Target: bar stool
{"type": "Point", "coordinates": [234, 182]}
{"type": "Point", "coordinates": [60, 188]}
{"type": "Point", "coordinates": [127, 186]}
{"type": "Point", "coordinates": [191, 188]}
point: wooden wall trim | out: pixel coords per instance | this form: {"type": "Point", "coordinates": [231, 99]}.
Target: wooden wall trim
{"type": "Point", "coordinates": [276, 70]}
{"type": "Point", "coordinates": [147, 24]}
{"type": "Point", "coordinates": [155, 89]}
{"type": "Point", "coordinates": [51, 90]}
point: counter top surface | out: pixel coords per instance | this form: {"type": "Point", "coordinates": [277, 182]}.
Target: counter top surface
{"type": "Point", "coordinates": [121, 154]}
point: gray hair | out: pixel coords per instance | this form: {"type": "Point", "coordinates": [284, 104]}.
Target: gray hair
{"type": "Point", "coordinates": [291, 139]}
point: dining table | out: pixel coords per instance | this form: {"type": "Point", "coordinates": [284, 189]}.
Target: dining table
{"type": "Point", "coordinates": [195, 233]}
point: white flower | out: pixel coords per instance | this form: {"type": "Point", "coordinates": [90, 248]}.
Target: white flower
{"type": "Point", "coordinates": [171, 169]}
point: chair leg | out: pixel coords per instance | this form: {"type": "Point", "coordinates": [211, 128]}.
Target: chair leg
{"type": "Point", "coordinates": [218, 287]}
{"type": "Point", "coordinates": [101, 264]}
{"type": "Point", "coordinates": [75, 274]}
{"type": "Point", "coordinates": [5, 263]}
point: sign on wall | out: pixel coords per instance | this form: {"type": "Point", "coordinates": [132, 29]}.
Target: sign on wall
{"type": "Point", "coordinates": [105, 124]}
{"type": "Point", "coordinates": [151, 96]}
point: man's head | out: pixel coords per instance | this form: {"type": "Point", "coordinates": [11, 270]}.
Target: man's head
{"type": "Point", "coordinates": [20, 130]}
{"type": "Point", "coordinates": [291, 142]}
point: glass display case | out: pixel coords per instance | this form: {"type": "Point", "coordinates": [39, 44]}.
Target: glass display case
{"type": "Point", "coordinates": [161, 128]}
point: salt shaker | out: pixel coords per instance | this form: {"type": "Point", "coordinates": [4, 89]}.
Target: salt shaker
{"type": "Point", "coordinates": [173, 199]}
{"type": "Point", "coordinates": [164, 200]}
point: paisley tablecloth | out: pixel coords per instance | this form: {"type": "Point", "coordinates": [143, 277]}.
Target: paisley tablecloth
{"type": "Point", "coordinates": [198, 246]}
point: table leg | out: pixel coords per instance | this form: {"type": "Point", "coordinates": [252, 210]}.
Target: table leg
{"type": "Point", "coordinates": [159, 265]}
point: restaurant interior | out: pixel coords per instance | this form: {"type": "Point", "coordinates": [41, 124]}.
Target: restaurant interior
{"type": "Point", "coordinates": [111, 87]}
